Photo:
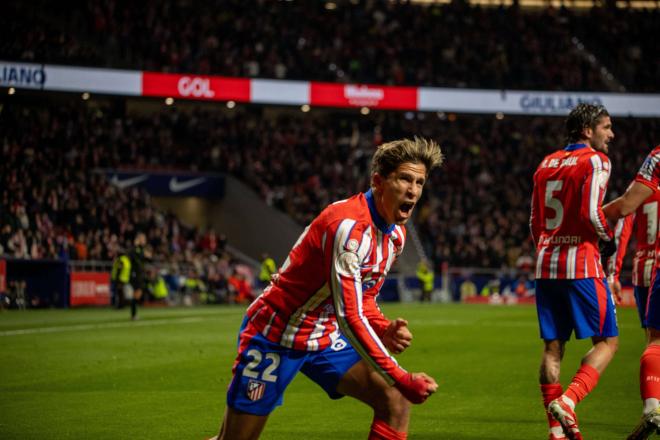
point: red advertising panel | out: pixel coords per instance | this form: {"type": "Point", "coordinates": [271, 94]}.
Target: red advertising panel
{"type": "Point", "coordinates": [358, 95]}
{"type": "Point", "coordinates": [90, 289]}
{"type": "Point", "coordinates": [213, 88]}
{"type": "Point", "coordinates": [3, 275]}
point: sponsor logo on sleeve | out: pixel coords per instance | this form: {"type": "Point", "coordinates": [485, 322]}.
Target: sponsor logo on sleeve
{"type": "Point", "coordinates": [347, 264]}
{"type": "Point", "coordinates": [646, 170]}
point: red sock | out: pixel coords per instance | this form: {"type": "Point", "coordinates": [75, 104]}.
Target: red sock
{"type": "Point", "coordinates": [550, 392]}
{"type": "Point", "coordinates": [382, 431]}
{"type": "Point", "coordinates": [649, 373]}
{"type": "Point", "coordinates": [583, 382]}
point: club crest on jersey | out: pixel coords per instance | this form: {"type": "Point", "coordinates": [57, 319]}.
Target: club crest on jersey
{"type": "Point", "coordinates": [255, 390]}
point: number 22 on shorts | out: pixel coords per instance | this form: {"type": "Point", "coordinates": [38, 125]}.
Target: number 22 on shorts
{"type": "Point", "coordinates": [257, 357]}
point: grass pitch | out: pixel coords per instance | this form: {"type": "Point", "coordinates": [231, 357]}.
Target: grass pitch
{"type": "Point", "coordinates": [83, 374]}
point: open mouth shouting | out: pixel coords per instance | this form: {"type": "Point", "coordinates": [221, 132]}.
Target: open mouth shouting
{"type": "Point", "coordinates": [405, 209]}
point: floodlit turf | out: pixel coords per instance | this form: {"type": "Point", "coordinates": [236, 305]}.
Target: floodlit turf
{"type": "Point", "coordinates": [92, 374]}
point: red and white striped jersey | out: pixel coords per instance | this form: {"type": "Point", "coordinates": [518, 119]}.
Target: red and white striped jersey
{"type": "Point", "coordinates": [567, 218]}
{"type": "Point", "coordinates": [644, 222]}
{"type": "Point", "coordinates": [649, 175]}
{"type": "Point", "coordinates": [329, 284]}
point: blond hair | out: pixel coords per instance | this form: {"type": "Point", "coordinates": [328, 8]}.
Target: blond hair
{"type": "Point", "coordinates": [390, 155]}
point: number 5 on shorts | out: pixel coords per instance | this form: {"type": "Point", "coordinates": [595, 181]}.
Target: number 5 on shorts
{"type": "Point", "coordinates": [257, 357]}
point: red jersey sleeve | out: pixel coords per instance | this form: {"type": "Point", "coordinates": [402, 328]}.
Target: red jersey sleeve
{"type": "Point", "coordinates": [347, 245]}
{"type": "Point", "coordinates": [593, 191]}
{"type": "Point", "coordinates": [622, 233]}
{"type": "Point", "coordinates": [535, 225]}
{"type": "Point", "coordinates": [373, 313]}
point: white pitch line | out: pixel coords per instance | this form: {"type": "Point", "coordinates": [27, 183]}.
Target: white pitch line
{"type": "Point", "coordinates": [70, 328]}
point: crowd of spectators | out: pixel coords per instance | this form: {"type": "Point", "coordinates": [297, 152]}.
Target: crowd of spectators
{"type": "Point", "coordinates": [55, 206]}
{"type": "Point", "coordinates": [626, 44]}
{"type": "Point", "coordinates": [474, 211]}
{"type": "Point", "coordinates": [385, 42]}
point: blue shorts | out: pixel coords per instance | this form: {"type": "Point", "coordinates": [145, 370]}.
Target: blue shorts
{"type": "Point", "coordinates": [584, 305]}
{"type": "Point", "coordinates": [263, 370]}
{"type": "Point", "coordinates": [652, 312]}
{"type": "Point", "coordinates": [641, 299]}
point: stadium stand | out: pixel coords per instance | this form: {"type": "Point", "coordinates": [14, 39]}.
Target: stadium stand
{"type": "Point", "coordinates": [452, 45]}
{"type": "Point", "coordinates": [55, 206]}
{"type": "Point", "coordinates": [474, 213]}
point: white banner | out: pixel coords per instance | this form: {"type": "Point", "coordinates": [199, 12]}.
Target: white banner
{"type": "Point", "coordinates": [266, 91]}
{"type": "Point", "coordinates": [271, 91]}
{"type": "Point", "coordinates": [83, 79]}
{"type": "Point", "coordinates": [70, 79]}
{"type": "Point", "coordinates": [534, 102]}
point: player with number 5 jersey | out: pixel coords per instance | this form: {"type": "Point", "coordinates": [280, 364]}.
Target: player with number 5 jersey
{"type": "Point", "coordinates": [567, 225]}
{"type": "Point", "coordinates": [567, 220]}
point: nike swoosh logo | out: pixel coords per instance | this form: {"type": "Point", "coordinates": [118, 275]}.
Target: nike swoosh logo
{"type": "Point", "coordinates": [125, 183]}
{"type": "Point", "coordinates": [176, 186]}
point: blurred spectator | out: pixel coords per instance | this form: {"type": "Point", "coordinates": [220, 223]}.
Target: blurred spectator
{"type": "Point", "coordinates": [239, 288]}
{"type": "Point", "coordinates": [157, 290]}
{"type": "Point", "coordinates": [467, 289]}
{"type": "Point", "coordinates": [193, 289]}
{"type": "Point", "coordinates": [426, 277]}
{"type": "Point", "coordinates": [80, 247]}
{"type": "Point", "coordinates": [121, 271]}
{"type": "Point", "coordinates": [268, 269]}
{"type": "Point", "coordinates": [523, 287]}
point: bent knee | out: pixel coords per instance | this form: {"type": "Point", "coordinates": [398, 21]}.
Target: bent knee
{"type": "Point", "coordinates": [612, 344]}
{"type": "Point", "coordinates": [391, 403]}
